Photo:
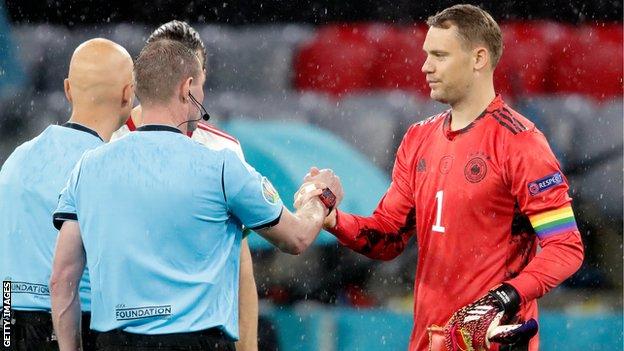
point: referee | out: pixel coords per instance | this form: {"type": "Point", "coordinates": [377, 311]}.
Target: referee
{"type": "Point", "coordinates": [211, 137]}
{"type": "Point", "coordinates": [101, 91]}
{"type": "Point", "coordinates": [157, 216]}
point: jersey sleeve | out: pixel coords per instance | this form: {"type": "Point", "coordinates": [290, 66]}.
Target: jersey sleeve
{"type": "Point", "coordinates": [239, 152]}
{"type": "Point", "coordinates": [539, 185]}
{"type": "Point", "coordinates": [383, 235]}
{"type": "Point", "coordinates": [541, 191]}
{"type": "Point", "coordinates": [66, 207]}
{"type": "Point", "coordinates": [249, 196]}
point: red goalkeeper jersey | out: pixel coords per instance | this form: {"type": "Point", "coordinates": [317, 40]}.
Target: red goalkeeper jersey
{"type": "Point", "coordinates": [475, 198]}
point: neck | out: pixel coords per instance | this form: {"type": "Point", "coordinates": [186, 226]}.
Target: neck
{"type": "Point", "coordinates": [466, 110]}
{"type": "Point", "coordinates": [160, 115]}
{"type": "Point", "coordinates": [136, 116]}
{"type": "Point", "coordinates": [100, 120]}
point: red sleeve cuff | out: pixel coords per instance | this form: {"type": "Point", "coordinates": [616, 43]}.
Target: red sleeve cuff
{"type": "Point", "coordinates": [344, 229]}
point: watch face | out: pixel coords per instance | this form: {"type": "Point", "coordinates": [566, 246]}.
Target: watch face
{"type": "Point", "coordinates": [328, 198]}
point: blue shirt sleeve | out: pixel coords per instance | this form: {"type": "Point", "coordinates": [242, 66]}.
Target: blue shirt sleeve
{"type": "Point", "coordinates": [249, 196]}
{"type": "Point", "coordinates": [66, 207]}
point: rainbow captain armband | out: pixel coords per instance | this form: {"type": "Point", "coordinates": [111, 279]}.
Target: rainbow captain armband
{"type": "Point", "coordinates": [554, 222]}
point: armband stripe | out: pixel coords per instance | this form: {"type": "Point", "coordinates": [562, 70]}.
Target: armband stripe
{"type": "Point", "coordinates": [554, 222]}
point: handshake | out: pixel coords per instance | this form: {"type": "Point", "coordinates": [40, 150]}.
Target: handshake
{"type": "Point", "coordinates": [324, 185]}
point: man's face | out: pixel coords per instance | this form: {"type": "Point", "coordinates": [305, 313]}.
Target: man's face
{"type": "Point", "coordinates": [449, 65]}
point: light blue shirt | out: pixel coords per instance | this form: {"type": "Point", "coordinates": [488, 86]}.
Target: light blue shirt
{"type": "Point", "coordinates": [160, 217]}
{"type": "Point", "coordinates": [30, 181]}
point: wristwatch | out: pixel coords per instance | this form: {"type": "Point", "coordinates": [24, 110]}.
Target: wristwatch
{"type": "Point", "coordinates": [328, 199]}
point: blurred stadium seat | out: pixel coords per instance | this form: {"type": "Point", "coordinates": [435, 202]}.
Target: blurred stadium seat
{"type": "Point", "coordinates": [355, 330]}
{"type": "Point", "coordinates": [399, 60]}
{"type": "Point", "coordinates": [540, 57]}
{"type": "Point", "coordinates": [45, 51]}
{"type": "Point", "coordinates": [523, 68]}
{"type": "Point", "coordinates": [263, 107]}
{"type": "Point", "coordinates": [338, 60]}
{"type": "Point", "coordinates": [600, 146]}
{"type": "Point", "coordinates": [256, 60]}
{"type": "Point", "coordinates": [369, 124]}
{"type": "Point", "coordinates": [559, 118]}
{"type": "Point", "coordinates": [589, 63]}
{"type": "Point", "coordinates": [130, 36]}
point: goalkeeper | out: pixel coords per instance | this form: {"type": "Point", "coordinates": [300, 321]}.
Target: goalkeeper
{"type": "Point", "coordinates": [482, 189]}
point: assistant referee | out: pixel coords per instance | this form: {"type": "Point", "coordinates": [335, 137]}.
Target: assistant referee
{"type": "Point", "coordinates": [157, 218]}
{"type": "Point", "coordinates": [101, 92]}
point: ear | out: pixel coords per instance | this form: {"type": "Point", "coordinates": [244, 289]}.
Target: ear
{"type": "Point", "coordinates": [127, 95]}
{"type": "Point", "coordinates": [481, 57]}
{"type": "Point", "coordinates": [185, 89]}
{"type": "Point", "coordinates": [67, 89]}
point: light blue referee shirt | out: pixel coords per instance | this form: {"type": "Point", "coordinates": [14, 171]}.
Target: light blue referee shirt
{"type": "Point", "coordinates": [160, 217]}
{"type": "Point", "coordinates": [30, 181]}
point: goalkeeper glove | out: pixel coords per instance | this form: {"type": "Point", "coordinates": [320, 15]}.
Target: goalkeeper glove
{"type": "Point", "coordinates": [475, 325]}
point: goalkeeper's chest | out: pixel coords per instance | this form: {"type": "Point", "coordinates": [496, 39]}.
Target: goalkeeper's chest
{"type": "Point", "coordinates": [457, 182]}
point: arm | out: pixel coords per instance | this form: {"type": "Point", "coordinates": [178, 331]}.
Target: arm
{"type": "Point", "coordinates": [254, 201]}
{"type": "Point", "coordinates": [560, 257]}
{"type": "Point", "coordinates": [247, 303]}
{"type": "Point", "coordinates": [67, 269]}
{"type": "Point", "coordinates": [296, 231]}
{"type": "Point", "coordinates": [541, 191]}
{"type": "Point", "coordinates": [383, 235]}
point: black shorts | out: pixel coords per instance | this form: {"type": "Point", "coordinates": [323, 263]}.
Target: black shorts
{"type": "Point", "coordinates": [33, 331]}
{"type": "Point", "coordinates": [206, 340]}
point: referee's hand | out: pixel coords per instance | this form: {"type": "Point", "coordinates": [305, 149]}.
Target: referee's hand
{"type": "Point", "coordinates": [328, 177]}
{"type": "Point", "coordinates": [306, 192]}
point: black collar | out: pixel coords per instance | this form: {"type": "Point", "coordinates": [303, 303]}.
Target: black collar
{"type": "Point", "coordinates": [158, 128]}
{"type": "Point", "coordinates": [81, 128]}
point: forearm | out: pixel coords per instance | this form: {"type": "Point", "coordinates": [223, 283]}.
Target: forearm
{"type": "Point", "coordinates": [373, 236]}
{"type": "Point", "coordinates": [309, 222]}
{"type": "Point", "coordinates": [67, 269]}
{"type": "Point", "coordinates": [247, 303]}
{"type": "Point", "coordinates": [560, 257]}
{"type": "Point", "coordinates": [66, 314]}
{"type": "Point", "coordinates": [296, 231]}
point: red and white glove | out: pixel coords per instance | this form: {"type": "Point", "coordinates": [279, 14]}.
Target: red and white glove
{"type": "Point", "coordinates": [475, 325]}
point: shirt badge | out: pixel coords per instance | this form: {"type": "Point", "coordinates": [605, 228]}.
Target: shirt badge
{"type": "Point", "coordinates": [445, 164]}
{"type": "Point", "coordinates": [545, 183]}
{"type": "Point", "coordinates": [475, 170]}
{"type": "Point", "coordinates": [268, 192]}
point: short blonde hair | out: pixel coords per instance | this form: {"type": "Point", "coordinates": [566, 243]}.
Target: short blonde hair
{"type": "Point", "coordinates": [474, 25]}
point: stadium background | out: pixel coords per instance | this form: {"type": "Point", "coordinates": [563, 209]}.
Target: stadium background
{"type": "Point", "coordinates": [336, 83]}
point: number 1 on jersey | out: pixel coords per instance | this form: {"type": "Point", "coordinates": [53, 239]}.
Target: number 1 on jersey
{"type": "Point", "coordinates": [437, 227]}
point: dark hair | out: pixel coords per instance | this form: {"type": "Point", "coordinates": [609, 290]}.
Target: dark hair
{"type": "Point", "coordinates": [181, 32]}
{"type": "Point", "coordinates": [474, 26]}
{"type": "Point", "coordinates": [160, 67]}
